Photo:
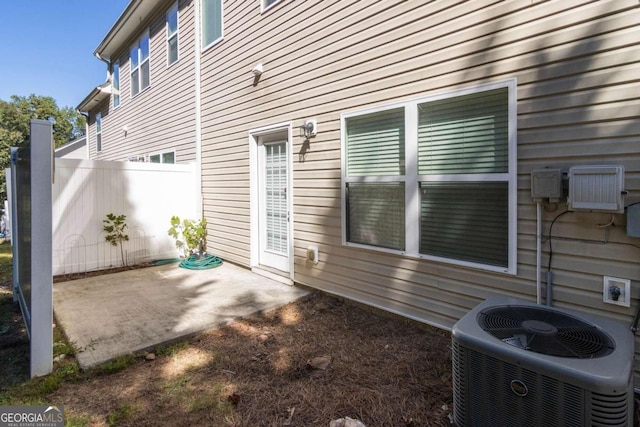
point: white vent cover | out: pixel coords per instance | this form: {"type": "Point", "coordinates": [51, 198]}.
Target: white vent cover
{"type": "Point", "coordinates": [596, 188]}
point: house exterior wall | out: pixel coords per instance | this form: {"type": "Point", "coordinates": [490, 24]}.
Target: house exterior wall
{"type": "Point", "coordinates": [161, 118]}
{"type": "Point", "coordinates": [575, 63]}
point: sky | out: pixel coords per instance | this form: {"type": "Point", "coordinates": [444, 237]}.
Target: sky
{"type": "Point", "coordinates": [47, 47]}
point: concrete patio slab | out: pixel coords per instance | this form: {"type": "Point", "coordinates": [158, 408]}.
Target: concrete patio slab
{"type": "Point", "coordinates": [115, 314]}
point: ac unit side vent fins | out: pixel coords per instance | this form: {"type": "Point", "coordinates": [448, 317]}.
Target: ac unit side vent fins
{"type": "Point", "coordinates": [505, 372]}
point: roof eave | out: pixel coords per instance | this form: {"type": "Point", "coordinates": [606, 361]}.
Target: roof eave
{"type": "Point", "coordinates": [136, 12]}
{"type": "Point", "coordinates": [95, 97]}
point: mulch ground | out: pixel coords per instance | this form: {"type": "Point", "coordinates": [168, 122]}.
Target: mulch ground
{"type": "Point", "coordinates": [305, 364]}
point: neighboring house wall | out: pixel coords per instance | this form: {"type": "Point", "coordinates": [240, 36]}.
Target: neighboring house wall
{"type": "Point", "coordinates": [76, 149]}
{"type": "Point", "coordinates": [161, 117]}
{"type": "Point", "coordinates": [575, 63]}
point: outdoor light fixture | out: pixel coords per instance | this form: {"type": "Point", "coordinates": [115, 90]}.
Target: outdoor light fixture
{"type": "Point", "coordinates": [309, 128]}
{"type": "Point", "coordinates": [125, 129]}
{"type": "Point", "coordinates": [257, 70]}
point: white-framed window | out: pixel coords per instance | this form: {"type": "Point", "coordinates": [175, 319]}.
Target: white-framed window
{"type": "Point", "coordinates": [172, 34]}
{"type": "Point", "coordinates": [98, 132]}
{"type": "Point", "coordinates": [267, 4]}
{"type": "Point", "coordinates": [212, 21]}
{"type": "Point", "coordinates": [166, 157]}
{"type": "Point", "coordinates": [435, 178]}
{"type": "Point", "coordinates": [139, 61]}
{"type": "Point", "coordinates": [115, 85]}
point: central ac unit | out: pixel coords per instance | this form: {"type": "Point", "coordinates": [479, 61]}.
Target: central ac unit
{"type": "Point", "coordinates": [516, 363]}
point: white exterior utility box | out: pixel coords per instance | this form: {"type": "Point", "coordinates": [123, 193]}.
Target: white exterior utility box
{"type": "Point", "coordinates": [596, 188]}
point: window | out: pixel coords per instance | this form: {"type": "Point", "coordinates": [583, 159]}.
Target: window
{"type": "Point", "coordinates": [139, 56]}
{"type": "Point", "coordinates": [98, 132]}
{"type": "Point", "coordinates": [168, 157]}
{"type": "Point", "coordinates": [115, 85]}
{"type": "Point", "coordinates": [172, 34]}
{"type": "Point", "coordinates": [211, 21]}
{"type": "Point", "coordinates": [435, 178]}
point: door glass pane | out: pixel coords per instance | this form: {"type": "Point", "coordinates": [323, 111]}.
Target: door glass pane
{"type": "Point", "coordinates": [376, 214]}
{"type": "Point", "coordinates": [465, 221]}
{"type": "Point", "coordinates": [276, 197]}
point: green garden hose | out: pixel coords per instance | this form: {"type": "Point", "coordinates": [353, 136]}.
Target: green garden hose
{"type": "Point", "coordinates": [203, 263]}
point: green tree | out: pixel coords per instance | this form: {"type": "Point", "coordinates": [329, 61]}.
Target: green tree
{"type": "Point", "coordinates": [14, 125]}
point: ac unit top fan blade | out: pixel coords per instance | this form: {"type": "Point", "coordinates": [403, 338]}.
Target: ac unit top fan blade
{"type": "Point", "coordinates": [546, 331]}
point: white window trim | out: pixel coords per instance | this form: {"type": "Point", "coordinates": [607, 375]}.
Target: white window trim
{"type": "Point", "coordinates": [161, 153]}
{"type": "Point", "coordinates": [99, 132]}
{"type": "Point", "coordinates": [113, 89]}
{"type": "Point", "coordinates": [176, 34]}
{"type": "Point", "coordinates": [412, 179]}
{"type": "Point", "coordinates": [219, 39]}
{"type": "Point", "coordinates": [137, 46]}
{"type": "Point", "coordinates": [264, 8]}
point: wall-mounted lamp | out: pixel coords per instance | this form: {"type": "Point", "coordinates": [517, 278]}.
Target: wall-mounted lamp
{"type": "Point", "coordinates": [257, 72]}
{"type": "Point", "coordinates": [309, 128]}
{"type": "Point", "coordinates": [125, 129]}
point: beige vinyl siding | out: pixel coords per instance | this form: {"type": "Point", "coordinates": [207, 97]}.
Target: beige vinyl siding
{"type": "Point", "coordinates": [576, 65]}
{"type": "Point", "coordinates": [161, 117]}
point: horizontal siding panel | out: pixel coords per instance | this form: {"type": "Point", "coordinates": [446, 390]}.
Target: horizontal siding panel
{"type": "Point", "coordinates": [576, 65]}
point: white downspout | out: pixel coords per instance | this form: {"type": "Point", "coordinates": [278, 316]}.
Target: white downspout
{"type": "Point", "coordinates": [538, 252]}
{"type": "Point", "coordinates": [198, 109]}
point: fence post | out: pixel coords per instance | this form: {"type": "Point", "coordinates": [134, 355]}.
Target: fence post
{"type": "Point", "coordinates": [41, 248]}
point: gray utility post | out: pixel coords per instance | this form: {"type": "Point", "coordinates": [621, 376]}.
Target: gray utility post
{"type": "Point", "coordinates": [31, 192]}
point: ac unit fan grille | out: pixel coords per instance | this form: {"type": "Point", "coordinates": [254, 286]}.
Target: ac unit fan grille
{"type": "Point", "coordinates": [545, 331]}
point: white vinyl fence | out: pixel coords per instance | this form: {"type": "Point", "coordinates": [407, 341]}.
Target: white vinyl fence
{"type": "Point", "coordinates": [149, 194]}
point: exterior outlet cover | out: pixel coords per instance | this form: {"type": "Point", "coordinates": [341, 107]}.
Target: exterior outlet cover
{"type": "Point", "coordinates": [616, 291]}
{"type": "Point", "coordinates": [312, 254]}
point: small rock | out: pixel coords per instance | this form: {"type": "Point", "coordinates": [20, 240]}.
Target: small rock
{"type": "Point", "coordinates": [59, 358]}
{"type": "Point", "coordinates": [150, 356]}
{"type": "Point", "coordinates": [319, 363]}
{"type": "Point", "coordinates": [263, 337]}
{"type": "Point", "coordinates": [346, 422]}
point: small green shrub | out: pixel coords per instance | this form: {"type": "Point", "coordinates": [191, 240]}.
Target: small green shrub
{"type": "Point", "coordinates": [114, 226]}
{"type": "Point", "coordinates": [190, 235]}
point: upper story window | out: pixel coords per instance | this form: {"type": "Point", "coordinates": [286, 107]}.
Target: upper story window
{"type": "Point", "coordinates": [139, 60]}
{"type": "Point", "coordinates": [435, 178]}
{"type": "Point", "coordinates": [211, 21]}
{"type": "Point", "coordinates": [98, 132]}
{"type": "Point", "coordinates": [172, 34]}
{"type": "Point", "coordinates": [266, 4]}
{"type": "Point", "coordinates": [115, 85]}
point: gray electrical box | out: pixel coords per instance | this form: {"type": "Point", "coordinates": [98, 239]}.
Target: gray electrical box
{"type": "Point", "coordinates": [633, 221]}
{"type": "Point", "coordinates": [546, 184]}
{"type": "Point", "coordinates": [596, 189]}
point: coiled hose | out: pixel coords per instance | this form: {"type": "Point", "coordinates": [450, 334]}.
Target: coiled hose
{"type": "Point", "coordinates": [201, 263]}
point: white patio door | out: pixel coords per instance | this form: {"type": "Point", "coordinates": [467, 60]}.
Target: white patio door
{"type": "Point", "coordinates": [274, 202]}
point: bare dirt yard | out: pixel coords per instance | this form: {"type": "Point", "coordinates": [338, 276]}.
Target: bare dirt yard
{"type": "Point", "coordinates": [305, 364]}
